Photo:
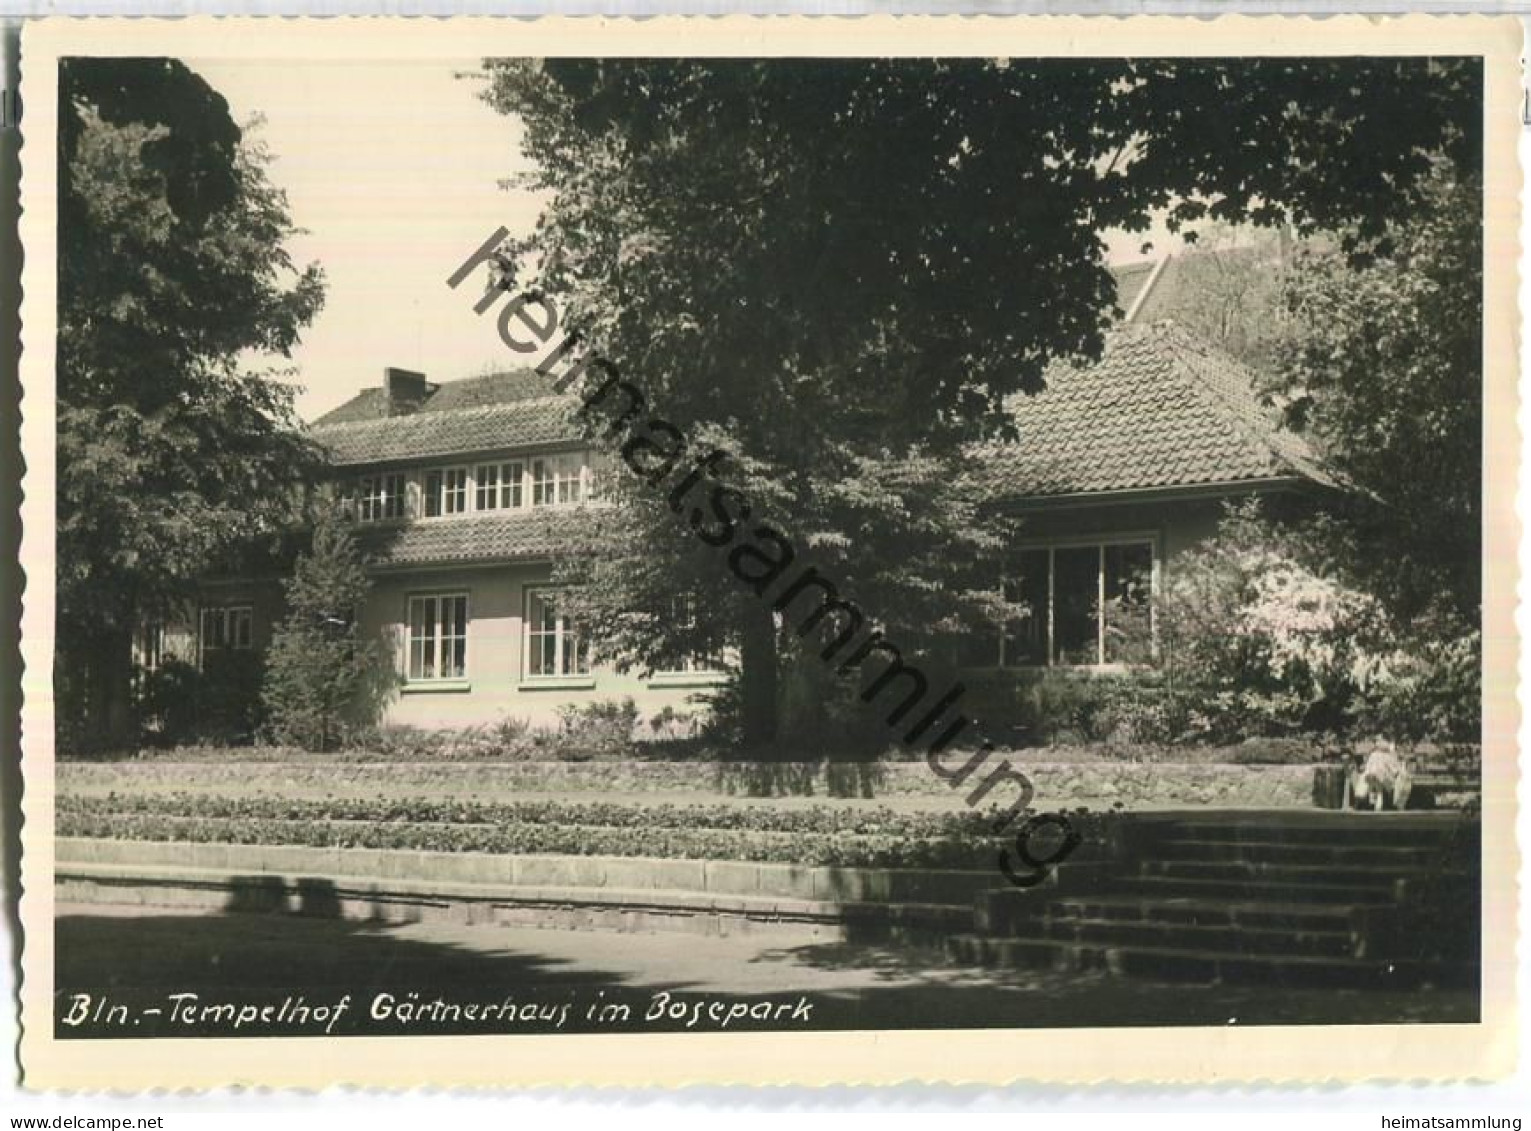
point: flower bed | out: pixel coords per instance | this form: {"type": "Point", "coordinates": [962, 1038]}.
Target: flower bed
{"type": "Point", "coordinates": [837, 849]}
{"type": "Point", "coordinates": [1098, 785]}
{"type": "Point", "coordinates": [383, 810]}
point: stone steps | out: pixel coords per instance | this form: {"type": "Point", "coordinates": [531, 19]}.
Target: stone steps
{"type": "Point", "coordinates": [1229, 938]}
{"type": "Point", "coordinates": [1402, 857]}
{"type": "Point", "coordinates": [1265, 873]}
{"type": "Point", "coordinates": [1248, 914]}
{"type": "Point", "coordinates": [1319, 899]}
{"type": "Point", "coordinates": [1164, 887]}
{"type": "Point", "coordinates": [1323, 828]}
{"type": "Point", "coordinates": [1189, 964]}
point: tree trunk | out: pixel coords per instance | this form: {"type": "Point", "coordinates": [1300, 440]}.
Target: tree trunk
{"type": "Point", "coordinates": [107, 660]}
{"type": "Point", "coordinates": [758, 678]}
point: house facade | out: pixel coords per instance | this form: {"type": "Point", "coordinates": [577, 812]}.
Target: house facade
{"type": "Point", "coordinates": [1119, 467]}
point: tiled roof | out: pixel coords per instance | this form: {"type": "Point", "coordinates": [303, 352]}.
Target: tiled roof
{"type": "Point", "coordinates": [1130, 280]}
{"type": "Point", "coordinates": [369, 404]}
{"type": "Point", "coordinates": [471, 392]}
{"type": "Point", "coordinates": [1159, 410]}
{"type": "Point", "coordinates": [428, 435]}
{"type": "Point", "coordinates": [1182, 275]}
{"type": "Point", "coordinates": [488, 537]}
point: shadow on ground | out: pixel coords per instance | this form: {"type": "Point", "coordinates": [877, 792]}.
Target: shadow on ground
{"type": "Point", "coordinates": [291, 952]}
{"type": "Point", "coordinates": [917, 983]}
{"type": "Point", "coordinates": [138, 956]}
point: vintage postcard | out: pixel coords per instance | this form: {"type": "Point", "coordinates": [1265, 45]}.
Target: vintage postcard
{"type": "Point", "coordinates": [769, 551]}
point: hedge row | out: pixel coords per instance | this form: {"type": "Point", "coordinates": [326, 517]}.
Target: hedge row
{"type": "Point", "coordinates": [818, 819]}
{"type": "Point", "coordinates": [805, 848]}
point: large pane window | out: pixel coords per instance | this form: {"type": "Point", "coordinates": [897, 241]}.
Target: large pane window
{"type": "Point", "coordinates": [1083, 605]}
{"type": "Point", "coordinates": [438, 637]}
{"type": "Point", "coordinates": [554, 646]}
{"type": "Point", "coordinates": [705, 656]}
{"type": "Point", "coordinates": [222, 629]}
{"type": "Point", "coordinates": [1025, 639]}
{"type": "Point", "coordinates": [149, 646]}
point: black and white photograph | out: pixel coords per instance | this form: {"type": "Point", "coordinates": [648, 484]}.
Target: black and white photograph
{"type": "Point", "coordinates": [567, 543]}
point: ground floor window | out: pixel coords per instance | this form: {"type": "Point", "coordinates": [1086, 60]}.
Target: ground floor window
{"type": "Point", "coordinates": [438, 637]}
{"type": "Point", "coordinates": [554, 645]}
{"type": "Point", "coordinates": [707, 658]}
{"type": "Point", "coordinates": [1087, 605]}
{"type": "Point", "coordinates": [226, 628]}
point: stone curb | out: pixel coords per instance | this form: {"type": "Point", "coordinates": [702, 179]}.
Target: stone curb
{"type": "Point", "coordinates": [711, 877]}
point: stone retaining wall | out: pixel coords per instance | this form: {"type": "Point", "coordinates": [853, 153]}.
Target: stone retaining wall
{"type": "Point", "coordinates": [621, 873]}
{"type": "Point", "coordinates": [698, 897]}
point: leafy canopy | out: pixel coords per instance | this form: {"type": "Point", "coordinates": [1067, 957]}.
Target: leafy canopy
{"type": "Point", "coordinates": [838, 271]}
{"type": "Point", "coordinates": [882, 250]}
{"type": "Point", "coordinates": [1383, 364]}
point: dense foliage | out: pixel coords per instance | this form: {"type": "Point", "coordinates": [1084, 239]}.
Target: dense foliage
{"type": "Point", "coordinates": [172, 277]}
{"type": "Point", "coordinates": [838, 271]}
{"type": "Point", "coordinates": [1382, 363]}
{"type": "Point", "coordinates": [1377, 358]}
{"type": "Point", "coordinates": [217, 703]}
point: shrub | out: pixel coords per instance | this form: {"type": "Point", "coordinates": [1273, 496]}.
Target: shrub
{"type": "Point", "coordinates": [1259, 639]}
{"type": "Point", "coordinates": [323, 676]}
{"type": "Point", "coordinates": [509, 737]}
{"type": "Point", "coordinates": [1052, 707]}
{"type": "Point", "coordinates": [813, 835]}
{"type": "Point", "coordinates": [600, 729]}
{"type": "Point", "coordinates": [1431, 687]}
{"type": "Point", "coordinates": [668, 723]}
{"type": "Point", "coordinates": [840, 849]}
{"type": "Point", "coordinates": [817, 819]}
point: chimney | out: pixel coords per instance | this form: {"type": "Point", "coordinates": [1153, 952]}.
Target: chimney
{"type": "Point", "coordinates": [405, 390]}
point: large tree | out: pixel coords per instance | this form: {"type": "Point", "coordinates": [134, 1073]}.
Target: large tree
{"type": "Point", "coordinates": [174, 446]}
{"type": "Point", "coordinates": [843, 268]}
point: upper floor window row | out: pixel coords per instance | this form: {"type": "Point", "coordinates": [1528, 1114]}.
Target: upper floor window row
{"type": "Point", "coordinates": [564, 479]}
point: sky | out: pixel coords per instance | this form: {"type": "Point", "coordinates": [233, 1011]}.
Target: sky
{"type": "Point", "coordinates": [393, 169]}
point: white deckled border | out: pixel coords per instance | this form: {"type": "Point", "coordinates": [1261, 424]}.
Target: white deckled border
{"type": "Point", "coordinates": [1205, 1056]}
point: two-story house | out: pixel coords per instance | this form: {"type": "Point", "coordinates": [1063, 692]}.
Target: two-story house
{"type": "Point", "coordinates": [1119, 467]}
{"type": "Point", "coordinates": [453, 486]}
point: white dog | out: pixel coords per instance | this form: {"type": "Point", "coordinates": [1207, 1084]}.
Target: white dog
{"type": "Point", "coordinates": [1384, 779]}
